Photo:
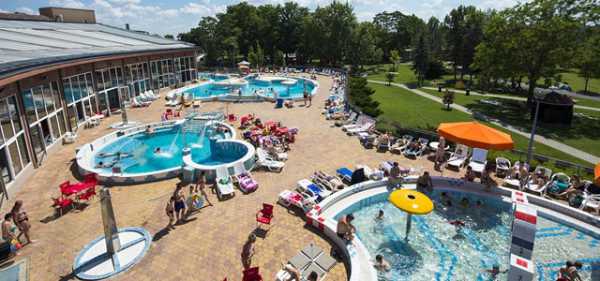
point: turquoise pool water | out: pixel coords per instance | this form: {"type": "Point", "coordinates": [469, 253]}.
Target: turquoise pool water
{"type": "Point", "coordinates": [254, 86]}
{"type": "Point", "coordinates": [438, 251]}
{"type": "Point", "coordinates": [138, 150]}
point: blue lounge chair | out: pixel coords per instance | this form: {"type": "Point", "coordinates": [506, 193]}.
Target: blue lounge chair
{"type": "Point", "coordinates": [345, 174]}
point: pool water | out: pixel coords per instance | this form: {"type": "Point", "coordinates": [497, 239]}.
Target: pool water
{"type": "Point", "coordinates": [254, 86]}
{"type": "Point", "coordinates": [141, 156]}
{"type": "Point", "coordinates": [436, 250]}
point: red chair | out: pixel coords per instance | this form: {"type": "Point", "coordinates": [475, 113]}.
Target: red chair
{"type": "Point", "coordinates": [231, 118]}
{"type": "Point", "coordinates": [265, 216]}
{"type": "Point", "coordinates": [65, 188]}
{"type": "Point", "coordinates": [61, 203]}
{"type": "Point", "coordinates": [251, 274]}
{"type": "Point", "coordinates": [88, 195]}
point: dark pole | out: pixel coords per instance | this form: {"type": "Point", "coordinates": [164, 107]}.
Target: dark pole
{"type": "Point", "coordinates": [533, 129]}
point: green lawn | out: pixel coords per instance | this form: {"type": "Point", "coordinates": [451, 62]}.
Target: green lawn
{"type": "Point", "coordinates": [404, 108]}
{"type": "Point", "coordinates": [404, 75]}
{"type": "Point", "coordinates": [577, 82]}
{"type": "Point", "coordinates": [583, 134]}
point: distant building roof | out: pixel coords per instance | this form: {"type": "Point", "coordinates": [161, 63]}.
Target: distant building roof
{"type": "Point", "coordinates": [21, 16]}
{"type": "Point", "coordinates": [554, 96]}
{"type": "Point", "coordinates": [28, 44]}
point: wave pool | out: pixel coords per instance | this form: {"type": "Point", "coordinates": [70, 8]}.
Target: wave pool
{"type": "Point", "coordinates": [266, 86]}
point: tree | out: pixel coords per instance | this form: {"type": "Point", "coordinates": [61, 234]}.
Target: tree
{"type": "Point", "coordinates": [421, 60]}
{"type": "Point", "coordinates": [390, 78]}
{"type": "Point", "coordinates": [454, 23]}
{"type": "Point", "coordinates": [290, 27]}
{"type": "Point", "coordinates": [435, 35]}
{"type": "Point", "coordinates": [394, 57]}
{"type": "Point", "coordinates": [362, 50]}
{"type": "Point", "coordinates": [464, 32]}
{"type": "Point", "coordinates": [588, 59]}
{"type": "Point", "coordinates": [279, 58]}
{"type": "Point", "coordinates": [532, 38]}
{"type": "Point", "coordinates": [169, 36]}
{"type": "Point", "coordinates": [334, 24]}
{"type": "Point", "coordinates": [205, 36]}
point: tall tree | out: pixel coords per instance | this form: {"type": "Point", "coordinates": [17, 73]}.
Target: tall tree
{"type": "Point", "coordinates": [588, 59]}
{"type": "Point", "coordinates": [394, 58]}
{"type": "Point", "coordinates": [533, 38]}
{"type": "Point", "coordinates": [361, 49]}
{"type": "Point", "coordinates": [455, 25]}
{"type": "Point", "coordinates": [206, 36]}
{"type": "Point", "coordinates": [334, 26]}
{"type": "Point", "coordinates": [421, 60]}
{"type": "Point", "coordinates": [290, 28]}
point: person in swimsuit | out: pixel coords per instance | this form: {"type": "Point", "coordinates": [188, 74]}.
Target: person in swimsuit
{"type": "Point", "coordinates": [248, 251]}
{"type": "Point", "coordinates": [8, 230]}
{"type": "Point", "coordinates": [179, 203]}
{"type": "Point", "coordinates": [200, 187]}
{"type": "Point", "coordinates": [170, 210]}
{"type": "Point", "coordinates": [21, 220]}
{"type": "Point", "coordinates": [570, 271]}
{"type": "Point", "coordinates": [345, 229]}
{"type": "Point", "coordinates": [381, 265]}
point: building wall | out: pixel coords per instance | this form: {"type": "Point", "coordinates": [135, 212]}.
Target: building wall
{"type": "Point", "coordinates": [69, 15]}
{"type": "Point", "coordinates": [36, 112]}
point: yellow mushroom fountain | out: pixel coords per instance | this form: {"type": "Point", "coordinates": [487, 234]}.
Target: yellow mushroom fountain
{"type": "Point", "coordinates": [412, 202]}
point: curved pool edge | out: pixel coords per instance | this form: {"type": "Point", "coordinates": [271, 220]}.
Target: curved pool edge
{"type": "Point", "coordinates": [322, 216]}
{"type": "Point", "coordinates": [312, 93]}
{"type": "Point", "coordinates": [85, 153]}
{"type": "Point", "coordinates": [247, 160]}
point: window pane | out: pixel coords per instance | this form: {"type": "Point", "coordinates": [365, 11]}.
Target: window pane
{"type": "Point", "coordinates": [90, 85]}
{"type": "Point", "coordinates": [36, 141]}
{"type": "Point", "coordinates": [23, 148]}
{"type": "Point", "coordinates": [68, 90]}
{"type": "Point", "coordinates": [14, 114]}
{"type": "Point", "coordinates": [5, 120]}
{"type": "Point", "coordinates": [48, 99]}
{"type": "Point", "coordinates": [55, 131]}
{"type": "Point", "coordinates": [56, 96]}
{"type": "Point", "coordinates": [76, 85]}
{"type": "Point", "coordinates": [29, 108]}
{"type": "Point", "coordinates": [4, 170]}
{"type": "Point", "coordinates": [94, 107]}
{"type": "Point", "coordinates": [38, 99]}
{"type": "Point", "coordinates": [61, 121]}
{"type": "Point", "coordinates": [16, 160]}
{"type": "Point", "coordinates": [72, 116]}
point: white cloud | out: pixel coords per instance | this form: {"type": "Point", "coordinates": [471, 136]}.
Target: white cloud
{"type": "Point", "coordinates": [27, 10]}
{"type": "Point", "coordinates": [67, 3]}
{"type": "Point", "coordinates": [204, 9]}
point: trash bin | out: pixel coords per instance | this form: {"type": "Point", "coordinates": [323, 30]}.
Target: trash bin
{"type": "Point", "coordinates": [188, 174]}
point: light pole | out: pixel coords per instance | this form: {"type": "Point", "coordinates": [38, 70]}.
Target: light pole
{"type": "Point", "coordinates": [537, 98]}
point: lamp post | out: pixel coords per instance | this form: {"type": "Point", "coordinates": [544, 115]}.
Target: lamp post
{"type": "Point", "coordinates": [536, 98]}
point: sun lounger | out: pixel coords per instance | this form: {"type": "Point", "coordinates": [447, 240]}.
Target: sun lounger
{"type": "Point", "coordinates": [373, 174]}
{"type": "Point", "coordinates": [365, 127]}
{"type": "Point", "coordinates": [417, 152]}
{"type": "Point", "coordinates": [459, 157]}
{"type": "Point", "coordinates": [401, 144]}
{"type": "Point", "coordinates": [591, 201]}
{"type": "Point", "coordinates": [558, 185]}
{"type": "Point", "coordinates": [332, 183]}
{"type": "Point", "coordinates": [478, 160]}
{"type": "Point", "coordinates": [534, 187]}
{"type": "Point", "coordinates": [502, 166]}
{"type": "Point", "coordinates": [345, 174]}
{"type": "Point", "coordinates": [309, 187]}
{"type": "Point", "coordinates": [224, 185]}
{"type": "Point", "coordinates": [292, 198]}
{"type": "Point", "coordinates": [265, 161]}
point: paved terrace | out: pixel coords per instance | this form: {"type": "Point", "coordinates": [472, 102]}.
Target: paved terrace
{"type": "Point", "coordinates": [208, 246]}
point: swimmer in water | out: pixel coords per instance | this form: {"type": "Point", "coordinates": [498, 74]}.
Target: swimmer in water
{"type": "Point", "coordinates": [157, 150]}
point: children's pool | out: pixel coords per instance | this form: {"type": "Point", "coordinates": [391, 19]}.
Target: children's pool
{"type": "Point", "coordinates": [438, 251]}
{"type": "Point", "coordinates": [275, 86]}
{"type": "Point", "coordinates": [137, 153]}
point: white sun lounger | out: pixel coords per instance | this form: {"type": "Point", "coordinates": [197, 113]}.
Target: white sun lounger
{"type": "Point", "coordinates": [224, 184]}
{"type": "Point", "coordinates": [265, 161]}
{"type": "Point", "coordinates": [478, 160]}
{"type": "Point", "coordinates": [365, 127]}
{"type": "Point", "coordinates": [309, 187]}
{"type": "Point", "coordinates": [459, 156]}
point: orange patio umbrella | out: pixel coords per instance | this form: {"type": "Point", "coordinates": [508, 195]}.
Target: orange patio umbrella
{"type": "Point", "coordinates": [597, 173]}
{"type": "Point", "coordinates": [475, 134]}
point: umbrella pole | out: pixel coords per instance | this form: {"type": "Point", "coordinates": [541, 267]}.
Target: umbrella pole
{"type": "Point", "coordinates": [408, 222]}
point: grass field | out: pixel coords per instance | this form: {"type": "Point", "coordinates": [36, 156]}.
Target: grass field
{"type": "Point", "coordinates": [409, 110]}
{"type": "Point", "coordinates": [583, 134]}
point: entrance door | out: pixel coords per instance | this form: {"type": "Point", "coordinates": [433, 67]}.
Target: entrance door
{"type": "Point", "coordinates": [113, 99]}
{"type": "Point", "coordinates": [80, 112]}
{"type": "Point", "coordinates": [37, 142]}
{"type": "Point", "coordinates": [46, 131]}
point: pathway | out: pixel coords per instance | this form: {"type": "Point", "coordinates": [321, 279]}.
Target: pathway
{"type": "Point", "coordinates": [549, 142]}
{"type": "Point", "coordinates": [509, 98]}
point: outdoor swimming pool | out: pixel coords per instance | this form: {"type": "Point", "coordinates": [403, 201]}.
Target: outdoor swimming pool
{"type": "Point", "coordinates": [138, 151]}
{"type": "Point", "coordinates": [265, 87]}
{"type": "Point", "coordinates": [437, 251]}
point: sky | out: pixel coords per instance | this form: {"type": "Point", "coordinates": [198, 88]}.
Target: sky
{"type": "Point", "coordinates": [176, 16]}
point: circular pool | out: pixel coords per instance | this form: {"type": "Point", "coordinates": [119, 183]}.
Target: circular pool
{"type": "Point", "coordinates": [135, 155]}
{"type": "Point", "coordinates": [265, 86]}
{"type": "Point", "coordinates": [437, 250]}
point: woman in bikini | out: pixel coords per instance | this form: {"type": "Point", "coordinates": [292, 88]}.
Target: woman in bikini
{"type": "Point", "coordinates": [21, 220]}
{"type": "Point", "coordinates": [170, 210]}
{"type": "Point", "coordinates": [200, 187]}
{"type": "Point", "coordinates": [179, 203]}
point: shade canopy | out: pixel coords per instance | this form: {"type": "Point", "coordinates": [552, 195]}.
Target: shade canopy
{"type": "Point", "coordinates": [411, 201]}
{"type": "Point", "coordinates": [597, 173]}
{"type": "Point", "coordinates": [475, 134]}
{"type": "Point", "coordinates": [243, 63]}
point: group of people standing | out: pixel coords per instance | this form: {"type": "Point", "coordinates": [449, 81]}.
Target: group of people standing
{"type": "Point", "coordinates": [179, 206]}
{"type": "Point", "coordinates": [16, 219]}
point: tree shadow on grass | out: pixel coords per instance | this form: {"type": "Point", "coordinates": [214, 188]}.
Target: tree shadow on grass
{"type": "Point", "coordinates": [517, 114]}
